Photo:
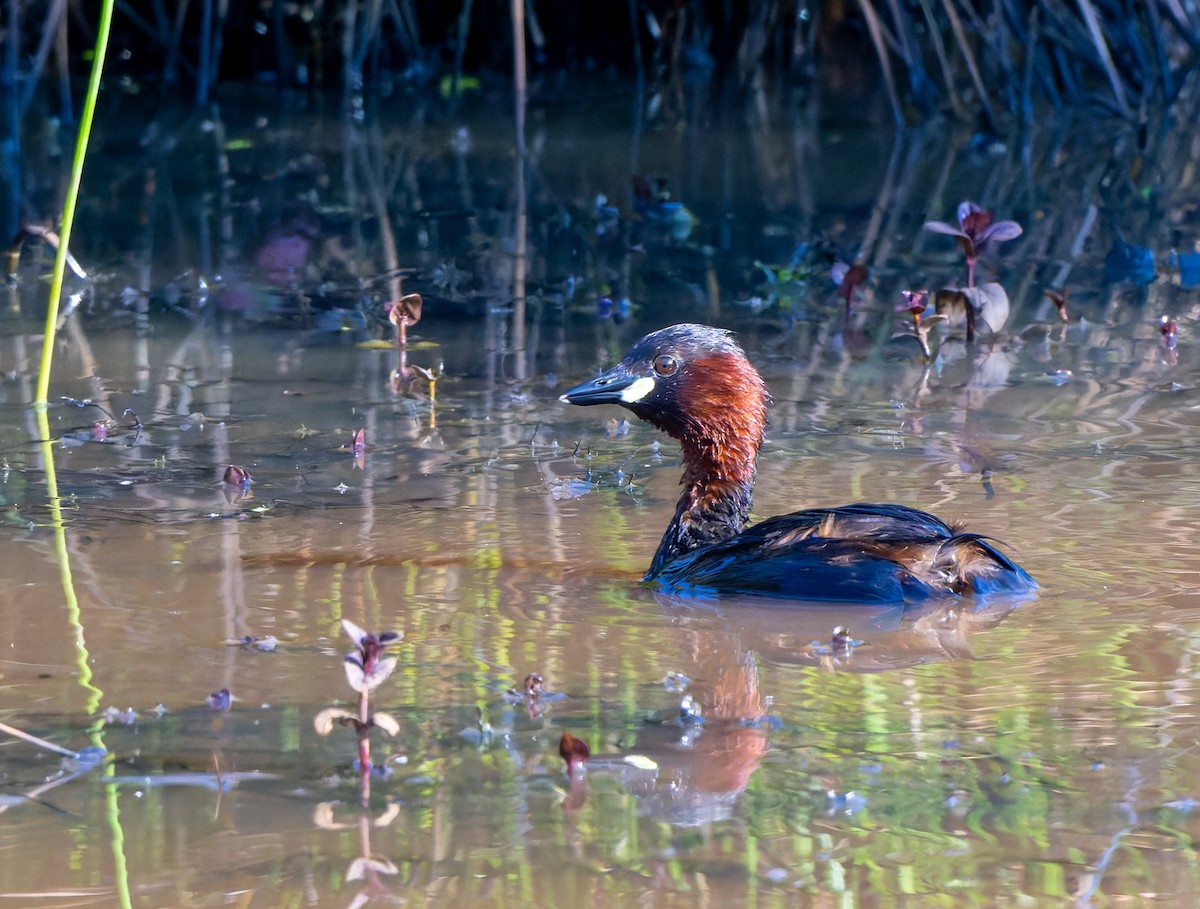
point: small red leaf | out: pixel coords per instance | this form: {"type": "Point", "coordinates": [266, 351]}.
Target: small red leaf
{"type": "Point", "coordinates": [573, 750]}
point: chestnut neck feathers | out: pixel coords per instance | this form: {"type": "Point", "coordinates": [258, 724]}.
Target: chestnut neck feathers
{"type": "Point", "coordinates": [695, 384]}
{"type": "Point", "coordinates": [719, 416]}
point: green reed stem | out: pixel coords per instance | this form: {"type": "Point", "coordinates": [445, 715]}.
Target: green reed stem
{"type": "Point", "coordinates": [74, 616]}
{"type": "Point", "coordinates": [68, 218]}
{"type": "Point", "coordinates": [83, 657]}
{"type": "Point", "coordinates": [112, 813]}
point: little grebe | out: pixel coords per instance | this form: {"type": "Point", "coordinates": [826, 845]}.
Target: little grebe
{"type": "Point", "coordinates": [695, 384]}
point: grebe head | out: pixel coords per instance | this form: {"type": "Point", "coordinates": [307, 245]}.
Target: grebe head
{"type": "Point", "coordinates": [691, 381]}
{"type": "Point", "coordinates": [694, 383]}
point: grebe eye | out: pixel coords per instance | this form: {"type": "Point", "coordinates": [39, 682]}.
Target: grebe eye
{"type": "Point", "coordinates": [665, 365]}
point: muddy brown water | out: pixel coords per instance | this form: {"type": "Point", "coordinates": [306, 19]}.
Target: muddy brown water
{"type": "Point", "coordinates": [1043, 752]}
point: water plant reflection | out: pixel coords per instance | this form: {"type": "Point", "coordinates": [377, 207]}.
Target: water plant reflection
{"type": "Point", "coordinates": [366, 867]}
{"type": "Point", "coordinates": [691, 762]}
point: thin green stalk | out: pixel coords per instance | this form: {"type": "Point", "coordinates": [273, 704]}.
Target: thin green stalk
{"type": "Point", "coordinates": [83, 661]}
{"type": "Point", "coordinates": [68, 219]}
{"type": "Point", "coordinates": [112, 813]}
{"type": "Point", "coordinates": [63, 553]}
{"type": "Point", "coordinates": [117, 836]}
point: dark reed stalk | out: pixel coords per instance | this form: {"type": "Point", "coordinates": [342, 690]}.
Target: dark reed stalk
{"type": "Point", "coordinates": [875, 30]}
{"type": "Point", "coordinates": [351, 73]}
{"type": "Point", "coordinates": [1100, 45]}
{"type": "Point", "coordinates": [943, 60]}
{"type": "Point", "coordinates": [55, 13]}
{"type": "Point", "coordinates": [218, 42]}
{"type": "Point", "coordinates": [520, 250]}
{"type": "Point", "coordinates": [1015, 54]}
{"type": "Point", "coordinates": [176, 38]}
{"type": "Point", "coordinates": [405, 19]}
{"type": "Point", "coordinates": [1031, 55]}
{"type": "Point", "coordinates": [163, 23]}
{"type": "Point", "coordinates": [1160, 53]}
{"type": "Point", "coordinates": [460, 46]}
{"type": "Point", "coordinates": [367, 39]}
{"type": "Point", "coordinates": [964, 48]}
{"type": "Point", "coordinates": [10, 157]}
{"type": "Point", "coordinates": [202, 74]}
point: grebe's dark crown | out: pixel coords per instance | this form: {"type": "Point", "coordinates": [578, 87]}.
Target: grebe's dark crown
{"type": "Point", "coordinates": [689, 339]}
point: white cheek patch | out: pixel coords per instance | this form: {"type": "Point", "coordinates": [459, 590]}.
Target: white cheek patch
{"type": "Point", "coordinates": [637, 390]}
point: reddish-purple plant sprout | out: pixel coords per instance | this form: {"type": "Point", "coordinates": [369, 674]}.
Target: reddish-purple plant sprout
{"type": "Point", "coordinates": [403, 313]}
{"type": "Point", "coordinates": [236, 483]}
{"type": "Point", "coordinates": [1169, 329]}
{"type": "Point", "coordinates": [848, 279]}
{"type": "Point", "coordinates": [574, 751]}
{"type": "Point", "coordinates": [976, 232]}
{"type": "Point", "coordinates": [1059, 299]}
{"type": "Point", "coordinates": [367, 667]}
{"type": "Point", "coordinates": [916, 302]}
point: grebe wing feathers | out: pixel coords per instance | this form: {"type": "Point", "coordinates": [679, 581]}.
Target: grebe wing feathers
{"type": "Point", "coordinates": [810, 569]}
{"type": "Point", "coordinates": [854, 553]}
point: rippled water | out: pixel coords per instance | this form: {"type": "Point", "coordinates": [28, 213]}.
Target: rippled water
{"type": "Point", "coordinates": [1042, 753]}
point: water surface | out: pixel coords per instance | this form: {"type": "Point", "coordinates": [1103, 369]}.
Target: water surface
{"type": "Point", "coordinates": [973, 753]}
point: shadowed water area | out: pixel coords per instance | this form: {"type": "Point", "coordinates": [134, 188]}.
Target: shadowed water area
{"type": "Point", "coordinates": [1041, 752]}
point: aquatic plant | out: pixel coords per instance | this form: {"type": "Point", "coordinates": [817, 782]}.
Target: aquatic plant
{"type": "Point", "coordinates": [574, 751]}
{"type": "Point", "coordinates": [1059, 299]}
{"type": "Point", "coordinates": [403, 314]}
{"type": "Point", "coordinates": [916, 302]}
{"type": "Point", "coordinates": [975, 233]}
{"type": "Point", "coordinates": [848, 279]}
{"type": "Point", "coordinates": [985, 308]}
{"type": "Point", "coordinates": [1169, 329]}
{"type": "Point", "coordinates": [367, 667]}
{"type": "Point", "coordinates": [786, 286]}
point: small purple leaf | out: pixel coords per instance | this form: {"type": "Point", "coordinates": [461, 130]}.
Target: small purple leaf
{"type": "Point", "coordinates": [323, 721]}
{"type": "Point", "coordinates": [386, 722]}
{"type": "Point", "coordinates": [379, 673]}
{"type": "Point", "coordinates": [354, 673]}
{"type": "Point", "coordinates": [353, 632]}
{"type": "Point", "coordinates": [941, 227]}
{"type": "Point", "coordinates": [1001, 231]}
